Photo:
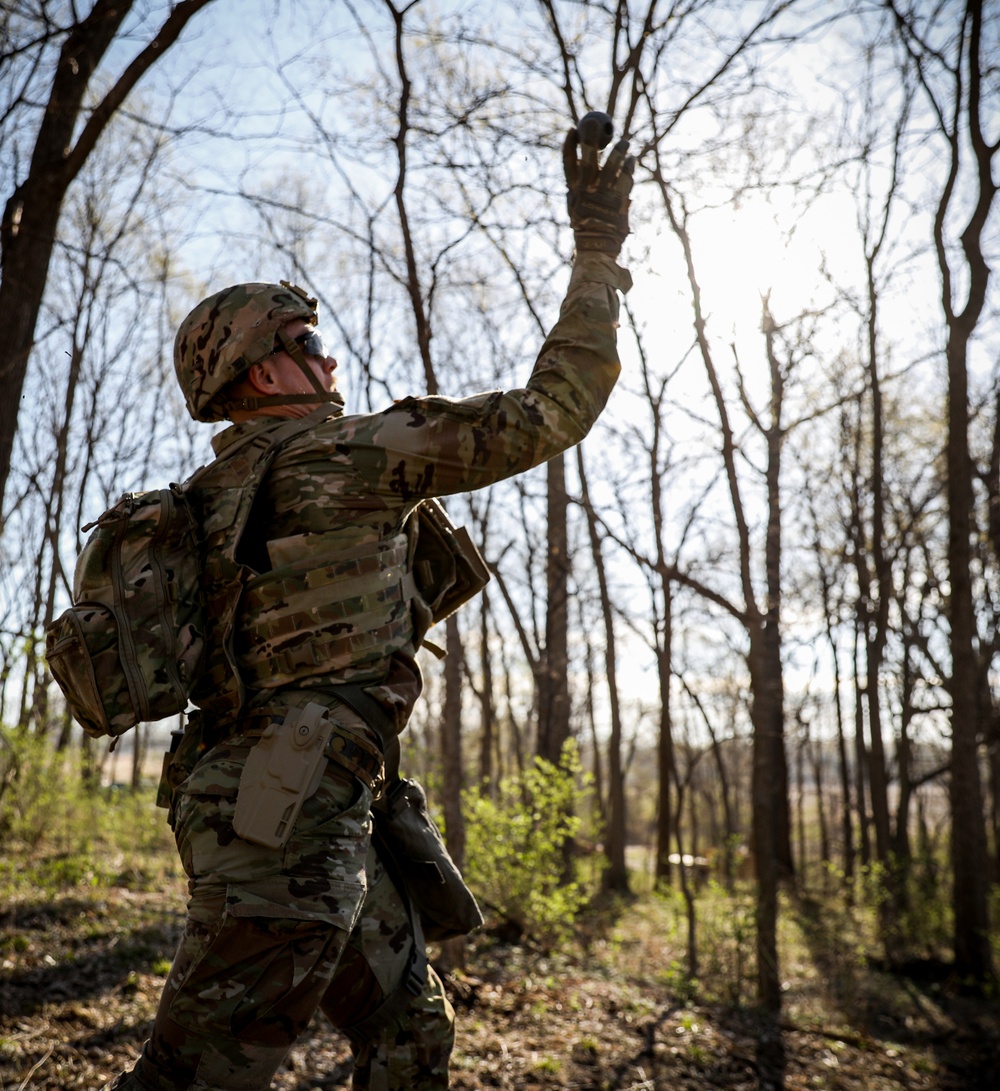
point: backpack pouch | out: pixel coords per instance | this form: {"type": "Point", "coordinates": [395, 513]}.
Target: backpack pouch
{"type": "Point", "coordinates": [82, 646]}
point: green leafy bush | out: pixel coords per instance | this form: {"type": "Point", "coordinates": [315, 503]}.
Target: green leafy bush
{"type": "Point", "coordinates": [56, 831]}
{"type": "Point", "coordinates": [515, 847]}
{"type": "Point", "coordinates": [41, 804]}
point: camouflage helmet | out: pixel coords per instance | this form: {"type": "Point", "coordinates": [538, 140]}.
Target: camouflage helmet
{"type": "Point", "coordinates": [227, 333]}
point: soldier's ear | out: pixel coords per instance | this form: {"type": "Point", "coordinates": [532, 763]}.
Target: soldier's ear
{"type": "Point", "coordinates": [261, 377]}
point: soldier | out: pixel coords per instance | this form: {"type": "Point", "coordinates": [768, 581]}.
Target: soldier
{"type": "Point", "coordinates": [322, 638]}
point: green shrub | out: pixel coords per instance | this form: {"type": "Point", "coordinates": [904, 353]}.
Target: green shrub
{"type": "Point", "coordinates": [58, 832]}
{"type": "Point", "coordinates": [515, 847]}
{"type": "Point", "coordinates": [41, 801]}
{"type": "Point", "coordinates": [727, 943]}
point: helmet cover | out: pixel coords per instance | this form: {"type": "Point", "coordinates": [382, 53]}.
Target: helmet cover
{"type": "Point", "coordinates": [229, 332]}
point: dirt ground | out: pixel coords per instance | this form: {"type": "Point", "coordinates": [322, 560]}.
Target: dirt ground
{"type": "Point", "coordinates": [80, 976]}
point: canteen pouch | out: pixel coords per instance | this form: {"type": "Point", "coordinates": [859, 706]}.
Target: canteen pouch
{"type": "Point", "coordinates": [282, 771]}
{"type": "Point", "coordinates": [418, 857]}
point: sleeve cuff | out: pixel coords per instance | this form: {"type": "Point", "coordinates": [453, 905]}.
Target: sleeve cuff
{"type": "Point", "coordinates": [591, 265]}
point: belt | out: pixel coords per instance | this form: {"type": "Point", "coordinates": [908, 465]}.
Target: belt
{"type": "Point", "coordinates": [348, 749]}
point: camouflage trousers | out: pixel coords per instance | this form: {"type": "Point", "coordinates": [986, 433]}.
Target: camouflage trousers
{"type": "Point", "coordinates": [272, 936]}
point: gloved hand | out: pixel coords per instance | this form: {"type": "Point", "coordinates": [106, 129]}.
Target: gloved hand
{"type": "Point", "coordinates": [597, 197]}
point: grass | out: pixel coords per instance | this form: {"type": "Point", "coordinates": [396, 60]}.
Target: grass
{"type": "Point", "coordinates": [58, 836]}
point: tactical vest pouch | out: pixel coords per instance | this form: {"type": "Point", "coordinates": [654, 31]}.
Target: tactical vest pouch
{"type": "Point", "coordinates": [448, 569]}
{"type": "Point", "coordinates": [354, 607]}
{"type": "Point", "coordinates": [165, 785]}
{"type": "Point", "coordinates": [187, 748]}
{"type": "Point", "coordinates": [416, 855]}
{"type": "Point", "coordinates": [281, 772]}
{"type": "Point", "coordinates": [325, 613]}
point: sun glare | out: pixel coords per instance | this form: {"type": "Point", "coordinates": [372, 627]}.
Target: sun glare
{"type": "Point", "coordinates": [798, 257]}
{"type": "Point", "coordinates": [770, 248]}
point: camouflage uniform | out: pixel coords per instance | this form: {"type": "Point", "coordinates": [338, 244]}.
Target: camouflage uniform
{"type": "Point", "coordinates": [272, 935]}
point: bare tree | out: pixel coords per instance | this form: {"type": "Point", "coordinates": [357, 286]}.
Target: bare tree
{"type": "Point", "coordinates": [826, 574]}
{"type": "Point", "coordinates": [74, 451]}
{"type": "Point", "coordinates": [770, 794]}
{"type": "Point", "coordinates": [64, 138]}
{"type": "Point", "coordinates": [947, 52]}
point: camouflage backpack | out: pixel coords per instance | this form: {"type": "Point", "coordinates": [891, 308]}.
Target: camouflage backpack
{"type": "Point", "coordinates": [130, 647]}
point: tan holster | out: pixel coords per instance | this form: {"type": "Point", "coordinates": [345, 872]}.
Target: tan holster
{"type": "Point", "coordinates": [281, 772]}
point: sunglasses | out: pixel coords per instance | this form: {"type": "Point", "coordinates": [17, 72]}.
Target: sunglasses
{"type": "Point", "coordinates": [311, 343]}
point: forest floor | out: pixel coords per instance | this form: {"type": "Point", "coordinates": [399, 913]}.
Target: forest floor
{"type": "Point", "coordinates": [81, 968]}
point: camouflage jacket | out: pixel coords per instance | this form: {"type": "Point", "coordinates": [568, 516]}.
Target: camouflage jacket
{"type": "Point", "coordinates": [343, 490]}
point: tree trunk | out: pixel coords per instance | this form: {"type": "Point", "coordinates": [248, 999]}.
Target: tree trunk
{"type": "Point", "coordinates": [665, 743]}
{"type": "Point", "coordinates": [843, 764]}
{"type": "Point", "coordinates": [766, 739]}
{"type": "Point", "coordinates": [600, 796]}
{"type": "Point", "coordinates": [452, 951]}
{"type": "Point", "coordinates": [771, 636]}
{"type": "Point", "coordinates": [973, 957]}
{"type": "Point", "coordinates": [553, 699]}
{"type": "Point", "coordinates": [616, 876]}
{"type": "Point", "coordinates": [487, 710]}
{"type": "Point", "coordinates": [816, 750]}
{"type": "Point", "coordinates": [876, 758]}
{"type": "Point", "coordinates": [861, 759]}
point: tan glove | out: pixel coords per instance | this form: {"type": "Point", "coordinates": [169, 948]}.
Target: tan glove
{"type": "Point", "coordinates": [597, 197]}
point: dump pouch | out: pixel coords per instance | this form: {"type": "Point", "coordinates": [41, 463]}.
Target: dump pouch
{"type": "Point", "coordinates": [418, 858]}
{"type": "Point", "coordinates": [281, 772]}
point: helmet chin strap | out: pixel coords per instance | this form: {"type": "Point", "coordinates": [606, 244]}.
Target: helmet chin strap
{"type": "Point", "coordinates": [320, 393]}
{"type": "Point", "coordinates": [294, 349]}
